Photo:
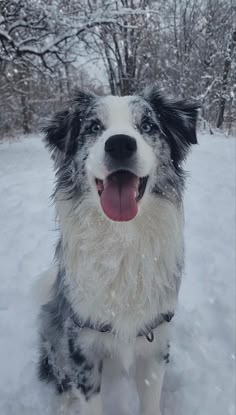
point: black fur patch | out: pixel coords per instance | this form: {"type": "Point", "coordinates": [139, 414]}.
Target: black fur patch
{"type": "Point", "coordinates": [63, 130]}
{"type": "Point", "coordinates": [75, 354]}
{"type": "Point", "coordinates": [167, 316]}
{"type": "Point", "coordinates": [166, 357]}
{"type": "Point", "coordinates": [62, 360]}
{"type": "Point", "coordinates": [178, 122]}
{"type": "Point", "coordinates": [64, 385]}
{"type": "Point", "coordinates": [45, 371]}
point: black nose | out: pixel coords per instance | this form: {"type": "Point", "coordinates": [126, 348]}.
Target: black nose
{"type": "Point", "coordinates": [120, 146]}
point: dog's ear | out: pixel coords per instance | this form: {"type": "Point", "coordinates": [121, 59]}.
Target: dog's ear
{"type": "Point", "coordinates": [62, 131]}
{"type": "Point", "coordinates": [178, 121]}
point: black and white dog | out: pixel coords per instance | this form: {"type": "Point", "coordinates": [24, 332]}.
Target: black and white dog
{"type": "Point", "coordinates": [118, 197]}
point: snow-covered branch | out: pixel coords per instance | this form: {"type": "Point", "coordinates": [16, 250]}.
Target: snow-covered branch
{"type": "Point", "coordinates": [21, 33]}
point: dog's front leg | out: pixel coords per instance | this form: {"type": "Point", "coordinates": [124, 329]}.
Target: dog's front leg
{"type": "Point", "coordinates": [150, 369]}
{"type": "Point", "coordinates": [150, 374]}
{"type": "Point", "coordinates": [119, 389]}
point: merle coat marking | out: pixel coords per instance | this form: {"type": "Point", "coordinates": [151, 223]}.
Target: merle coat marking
{"type": "Point", "coordinates": [115, 275]}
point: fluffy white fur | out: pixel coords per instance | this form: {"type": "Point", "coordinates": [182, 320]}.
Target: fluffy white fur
{"type": "Point", "coordinates": [122, 272]}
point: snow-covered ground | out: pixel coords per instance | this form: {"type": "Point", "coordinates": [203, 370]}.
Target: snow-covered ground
{"type": "Point", "coordinates": [200, 378]}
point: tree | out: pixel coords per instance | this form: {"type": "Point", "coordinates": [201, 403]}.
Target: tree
{"type": "Point", "coordinates": [225, 79]}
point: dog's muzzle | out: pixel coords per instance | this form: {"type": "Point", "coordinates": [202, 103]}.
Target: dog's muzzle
{"type": "Point", "coordinates": [122, 189]}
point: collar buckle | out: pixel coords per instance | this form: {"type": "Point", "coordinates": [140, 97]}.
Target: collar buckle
{"type": "Point", "coordinates": [150, 336]}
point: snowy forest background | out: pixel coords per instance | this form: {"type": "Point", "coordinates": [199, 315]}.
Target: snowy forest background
{"type": "Point", "coordinates": [47, 47]}
{"type": "Point", "coordinates": [188, 47]}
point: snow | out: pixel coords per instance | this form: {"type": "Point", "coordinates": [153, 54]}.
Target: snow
{"type": "Point", "coordinates": [200, 378]}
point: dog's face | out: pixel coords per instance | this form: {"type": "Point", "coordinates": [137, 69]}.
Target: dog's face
{"type": "Point", "coordinates": [122, 149]}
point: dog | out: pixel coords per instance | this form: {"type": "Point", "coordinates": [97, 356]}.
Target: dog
{"type": "Point", "coordinates": [119, 202]}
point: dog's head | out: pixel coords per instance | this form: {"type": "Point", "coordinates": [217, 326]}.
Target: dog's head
{"type": "Point", "coordinates": [121, 150]}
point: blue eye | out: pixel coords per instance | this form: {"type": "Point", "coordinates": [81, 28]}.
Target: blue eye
{"type": "Point", "coordinates": [146, 127]}
{"type": "Point", "coordinates": [95, 127]}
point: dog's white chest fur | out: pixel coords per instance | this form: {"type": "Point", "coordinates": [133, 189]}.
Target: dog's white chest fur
{"type": "Point", "coordinates": [126, 273]}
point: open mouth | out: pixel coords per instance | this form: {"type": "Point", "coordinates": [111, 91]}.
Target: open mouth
{"type": "Point", "coordinates": [120, 193]}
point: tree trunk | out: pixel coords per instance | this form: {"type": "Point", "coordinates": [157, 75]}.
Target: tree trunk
{"type": "Point", "coordinates": [230, 115]}
{"type": "Point", "coordinates": [227, 65]}
{"type": "Point", "coordinates": [25, 114]}
{"type": "Point", "coordinates": [25, 97]}
{"type": "Point", "coordinates": [68, 79]}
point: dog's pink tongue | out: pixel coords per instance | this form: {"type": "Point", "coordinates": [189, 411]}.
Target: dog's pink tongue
{"type": "Point", "coordinates": [118, 198]}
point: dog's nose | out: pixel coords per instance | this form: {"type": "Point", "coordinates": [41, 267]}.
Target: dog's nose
{"type": "Point", "coordinates": [120, 146]}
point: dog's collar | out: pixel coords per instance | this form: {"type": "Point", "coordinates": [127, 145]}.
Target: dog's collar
{"type": "Point", "coordinates": [147, 331]}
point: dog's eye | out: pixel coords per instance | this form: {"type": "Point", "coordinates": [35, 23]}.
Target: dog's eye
{"type": "Point", "coordinates": [146, 127]}
{"type": "Point", "coordinates": [95, 127]}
